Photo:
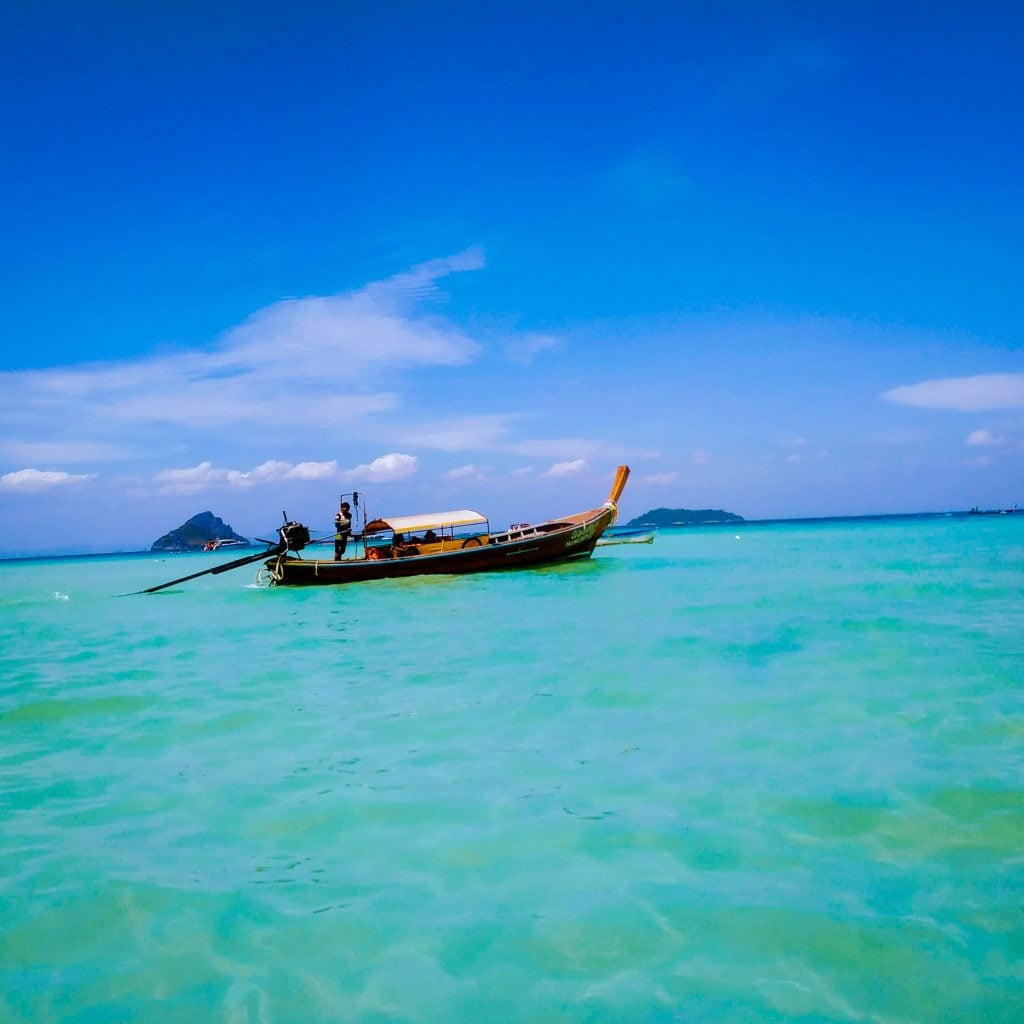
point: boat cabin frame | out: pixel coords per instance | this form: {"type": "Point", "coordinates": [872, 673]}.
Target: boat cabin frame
{"type": "Point", "coordinates": [431, 533]}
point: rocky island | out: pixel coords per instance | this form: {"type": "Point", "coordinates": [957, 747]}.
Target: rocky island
{"type": "Point", "coordinates": [204, 531]}
{"type": "Point", "coordinates": [684, 517]}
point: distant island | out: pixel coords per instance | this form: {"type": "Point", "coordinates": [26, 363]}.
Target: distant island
{"type": "Point", "coordinates": [684, 517]}
{"type": "Point", "coordinates": [203, 532]}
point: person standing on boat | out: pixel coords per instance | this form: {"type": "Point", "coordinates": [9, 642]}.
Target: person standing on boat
{"type": "Point", "coordinates": [342, 530]}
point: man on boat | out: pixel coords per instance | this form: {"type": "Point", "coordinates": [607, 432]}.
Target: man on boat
{"type": "Point", "coordinates": [342, 530]}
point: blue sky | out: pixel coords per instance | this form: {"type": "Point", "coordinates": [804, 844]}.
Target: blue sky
{"type": "Point", "coordinates": [455, 254]}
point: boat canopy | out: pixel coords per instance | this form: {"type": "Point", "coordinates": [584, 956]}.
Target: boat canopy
{"type": "Point", "coordinates": [427, 521]}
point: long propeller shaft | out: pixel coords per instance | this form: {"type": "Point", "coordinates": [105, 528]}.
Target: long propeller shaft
{"type": "Point", "coordinates": [224, 567]}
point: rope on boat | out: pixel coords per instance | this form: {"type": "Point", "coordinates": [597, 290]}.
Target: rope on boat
{"type": "Point", "coordinates": [275, 569]}
{"type": "Point", "coordinates": [263, 577]}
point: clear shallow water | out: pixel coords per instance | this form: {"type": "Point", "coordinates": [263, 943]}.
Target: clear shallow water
{"type": "Point", "coordinates": [772, 777]}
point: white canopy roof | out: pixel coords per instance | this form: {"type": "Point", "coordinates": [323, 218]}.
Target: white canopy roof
{"type": "Point", "coordinates": [433, 520]}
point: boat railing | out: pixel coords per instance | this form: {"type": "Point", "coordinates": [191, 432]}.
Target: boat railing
{"type": "Point", "coordinates": [520, 532]}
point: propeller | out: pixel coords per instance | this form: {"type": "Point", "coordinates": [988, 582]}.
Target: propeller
{"type": "Point", "coordinates": [293, 537]}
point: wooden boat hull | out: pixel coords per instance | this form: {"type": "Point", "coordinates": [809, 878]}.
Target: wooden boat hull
{"type": "Point", "coordinates": [545, 544]}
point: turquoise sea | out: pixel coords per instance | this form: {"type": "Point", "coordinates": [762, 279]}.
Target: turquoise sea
{"type": "Point", "coordinates": [753, 773]}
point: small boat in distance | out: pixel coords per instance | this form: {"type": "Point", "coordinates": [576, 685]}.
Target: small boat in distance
{"type": "Point", "coordinates": [626, 535]}
{"type": "Point", "coordinates": [444, 543]}
{"type": "Point", "coordinates": [227, 542]}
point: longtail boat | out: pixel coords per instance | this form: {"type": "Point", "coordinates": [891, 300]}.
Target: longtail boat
{"type": "Point", "coordinates": [423, 545]}
{"type": "Point", "coordinates": [438, 544]}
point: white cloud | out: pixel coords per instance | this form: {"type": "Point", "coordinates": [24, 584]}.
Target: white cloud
{"type": "Point", "coordinates": [807, 456]}
{"type": "Point", "coordinates": [462, 472]}
{"type": "Point", "coordinates": [317, 361]}
{"type": "Point", "coordinates": [490, 433]}
{"type": "Point", "coordinates": [421, 281]}
{"type": "Point", "coordinates": [963, 394]}
{"type": "Point", "coordinates": [185, 481]}
{"type": "Point", "coordinates": [980, 438]}
{"type": "Point", "coordinates": [393, 466]}
{"type": "Point", "coordinates": [266, 472]}
{"type": "Point", "coordinates": [660, 478]}
{"type": "Point", "coordinates": [272, 471]}
{"type": "Point", "coordinates": [198, 478]}
{"type": "Point", "coordinates": [40, 479]}
{"type": "Point", "coordinates": [314, 471]}
{"type": "Point", "coordinates": [460, 434]}
{"type": "Point", "coordinates": [699, 458]}
{"type": "Point", "coordinates": [566, 468]}
{"type": "Point", "coordinates": [525, 350]}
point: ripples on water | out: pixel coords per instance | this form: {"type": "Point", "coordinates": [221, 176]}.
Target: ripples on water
{"type": "Point", "coordinates": [769, 777]}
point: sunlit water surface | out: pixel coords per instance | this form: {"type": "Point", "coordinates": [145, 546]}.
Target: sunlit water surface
{"type": "Point", "coordinates": [767, 775]}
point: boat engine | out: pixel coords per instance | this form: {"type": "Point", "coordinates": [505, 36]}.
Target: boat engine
{"type": "Point", "coordinates": [294, 536]}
